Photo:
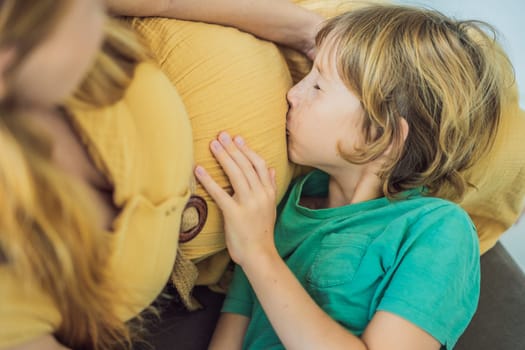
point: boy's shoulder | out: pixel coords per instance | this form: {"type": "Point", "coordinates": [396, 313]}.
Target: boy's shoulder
{"type": "Point", "coordinates": [439, 219]}
{"type": "Point", "coordinates": [427, 205]}
{"type": "Point", "coordinates": [417, 200]}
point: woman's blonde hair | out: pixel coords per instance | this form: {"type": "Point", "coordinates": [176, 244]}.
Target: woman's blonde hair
{"type": "Point", "coordinates": [444, 77]}
{"type": "Point", "coordinates": [47, 233]}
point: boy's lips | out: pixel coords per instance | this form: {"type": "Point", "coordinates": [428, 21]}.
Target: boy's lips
{"type": "Point", "coordinates": [287, 122]}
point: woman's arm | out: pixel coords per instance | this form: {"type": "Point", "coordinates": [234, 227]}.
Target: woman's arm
{"type": "Point", "coordinates": [277, 20]}
{"type": "Point", "coordinates": [229, 333]}
{"type": "Point", "coordinates": [249, 220]}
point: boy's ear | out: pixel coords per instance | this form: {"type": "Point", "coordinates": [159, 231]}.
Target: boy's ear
{"type": "Point", "coordinates": [403, 125]}
{"type": "Point", "coordinates": [7, 55]}
{"type": "Point", "coordinates": [404, 128]}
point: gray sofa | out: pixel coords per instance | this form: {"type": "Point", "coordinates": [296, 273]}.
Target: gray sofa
{"type": "Point", "coordinates": [499, 323]}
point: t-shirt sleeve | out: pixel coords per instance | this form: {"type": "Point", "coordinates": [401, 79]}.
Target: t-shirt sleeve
{"type": "Point", "coordinates": [25, 314]}
{"type": "Point", "coordinates": [436, 280]}
{"type": "Point", "coordinates": [240, 297]}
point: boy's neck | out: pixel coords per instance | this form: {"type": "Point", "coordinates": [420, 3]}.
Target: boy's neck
{"type": "Point", "coordinates": [350, 188]}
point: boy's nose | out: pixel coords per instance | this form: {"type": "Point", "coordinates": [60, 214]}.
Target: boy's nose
{"type": "Point", "coordinates": [291, 96]}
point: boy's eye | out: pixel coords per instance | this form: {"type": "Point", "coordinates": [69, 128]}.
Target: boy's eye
{"type": "Point", "coordinates": [316, 86]}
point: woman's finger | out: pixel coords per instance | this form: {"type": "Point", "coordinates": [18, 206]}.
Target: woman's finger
{"type": "Point", "coordinates": [257, 162]}
{"type": "Point", "coordinates": [221, 197]}
{"type": "Point", "coordinates": [240, 158]}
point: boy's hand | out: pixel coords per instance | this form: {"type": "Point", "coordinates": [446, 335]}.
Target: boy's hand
{"type": "Point", "coordinates": [249, 214]}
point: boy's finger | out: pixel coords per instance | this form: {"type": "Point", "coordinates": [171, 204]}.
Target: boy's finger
{"type": "Point", "coordinates": [230, 167]}
{"type": "Point", "coordinates": [257, 162]}
{"type": "Point", "coordinates": [274, 181]}
{"type": "Point", "coordinates": [240, 158]}
{"type": "Point", "coordinates": [216, 192]}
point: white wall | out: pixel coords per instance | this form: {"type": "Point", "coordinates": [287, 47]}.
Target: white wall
{"type": "Point", "coordinates": [514, 241]}
{"type": "Point", "coordinates": [508, 17]}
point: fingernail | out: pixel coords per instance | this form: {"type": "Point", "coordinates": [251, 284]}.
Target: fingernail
{"type": "Point", "coordinates": [215, 145]}
{"type": "Point", "coordinates": [224, 137]}
{"type": "Point", "coordinates": [239, 140]}
{"type": "Point", "coordinates": [199, 170]}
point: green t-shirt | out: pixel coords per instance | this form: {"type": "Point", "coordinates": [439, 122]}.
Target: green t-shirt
{"type": "Point", "coordinates": [416, 257]}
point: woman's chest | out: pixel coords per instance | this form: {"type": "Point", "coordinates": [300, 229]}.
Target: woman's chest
{"type": "Point", "coordinates": [70, 156]}
{"type": "Point", "coordinates": [144, 233]}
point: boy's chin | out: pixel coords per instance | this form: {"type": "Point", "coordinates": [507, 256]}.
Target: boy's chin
{"type": "Point", "coordinates": [294, 159]}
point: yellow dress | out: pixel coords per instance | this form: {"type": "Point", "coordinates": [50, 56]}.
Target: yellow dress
{"type": "Point", "coordinates": [228, 80]}
{"type": "Point", "coordinates": [143, 144]}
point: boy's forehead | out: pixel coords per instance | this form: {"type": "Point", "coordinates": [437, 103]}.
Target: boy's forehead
{"type": "Point", "coordinates": [326, 59]}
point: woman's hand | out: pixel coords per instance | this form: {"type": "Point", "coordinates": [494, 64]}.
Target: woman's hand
{"type": "Point", "coordinates": [305, 40]}
{"type": "Point", "coordinates": [249, 214]}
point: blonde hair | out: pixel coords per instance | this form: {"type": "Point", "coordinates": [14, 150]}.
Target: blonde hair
{"type": "Point", "coordinates": [444, 77]}
{"type": "Point", "coordinates": [114, 66]}
{"type": "Point", "coordinates": [47, 235]}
